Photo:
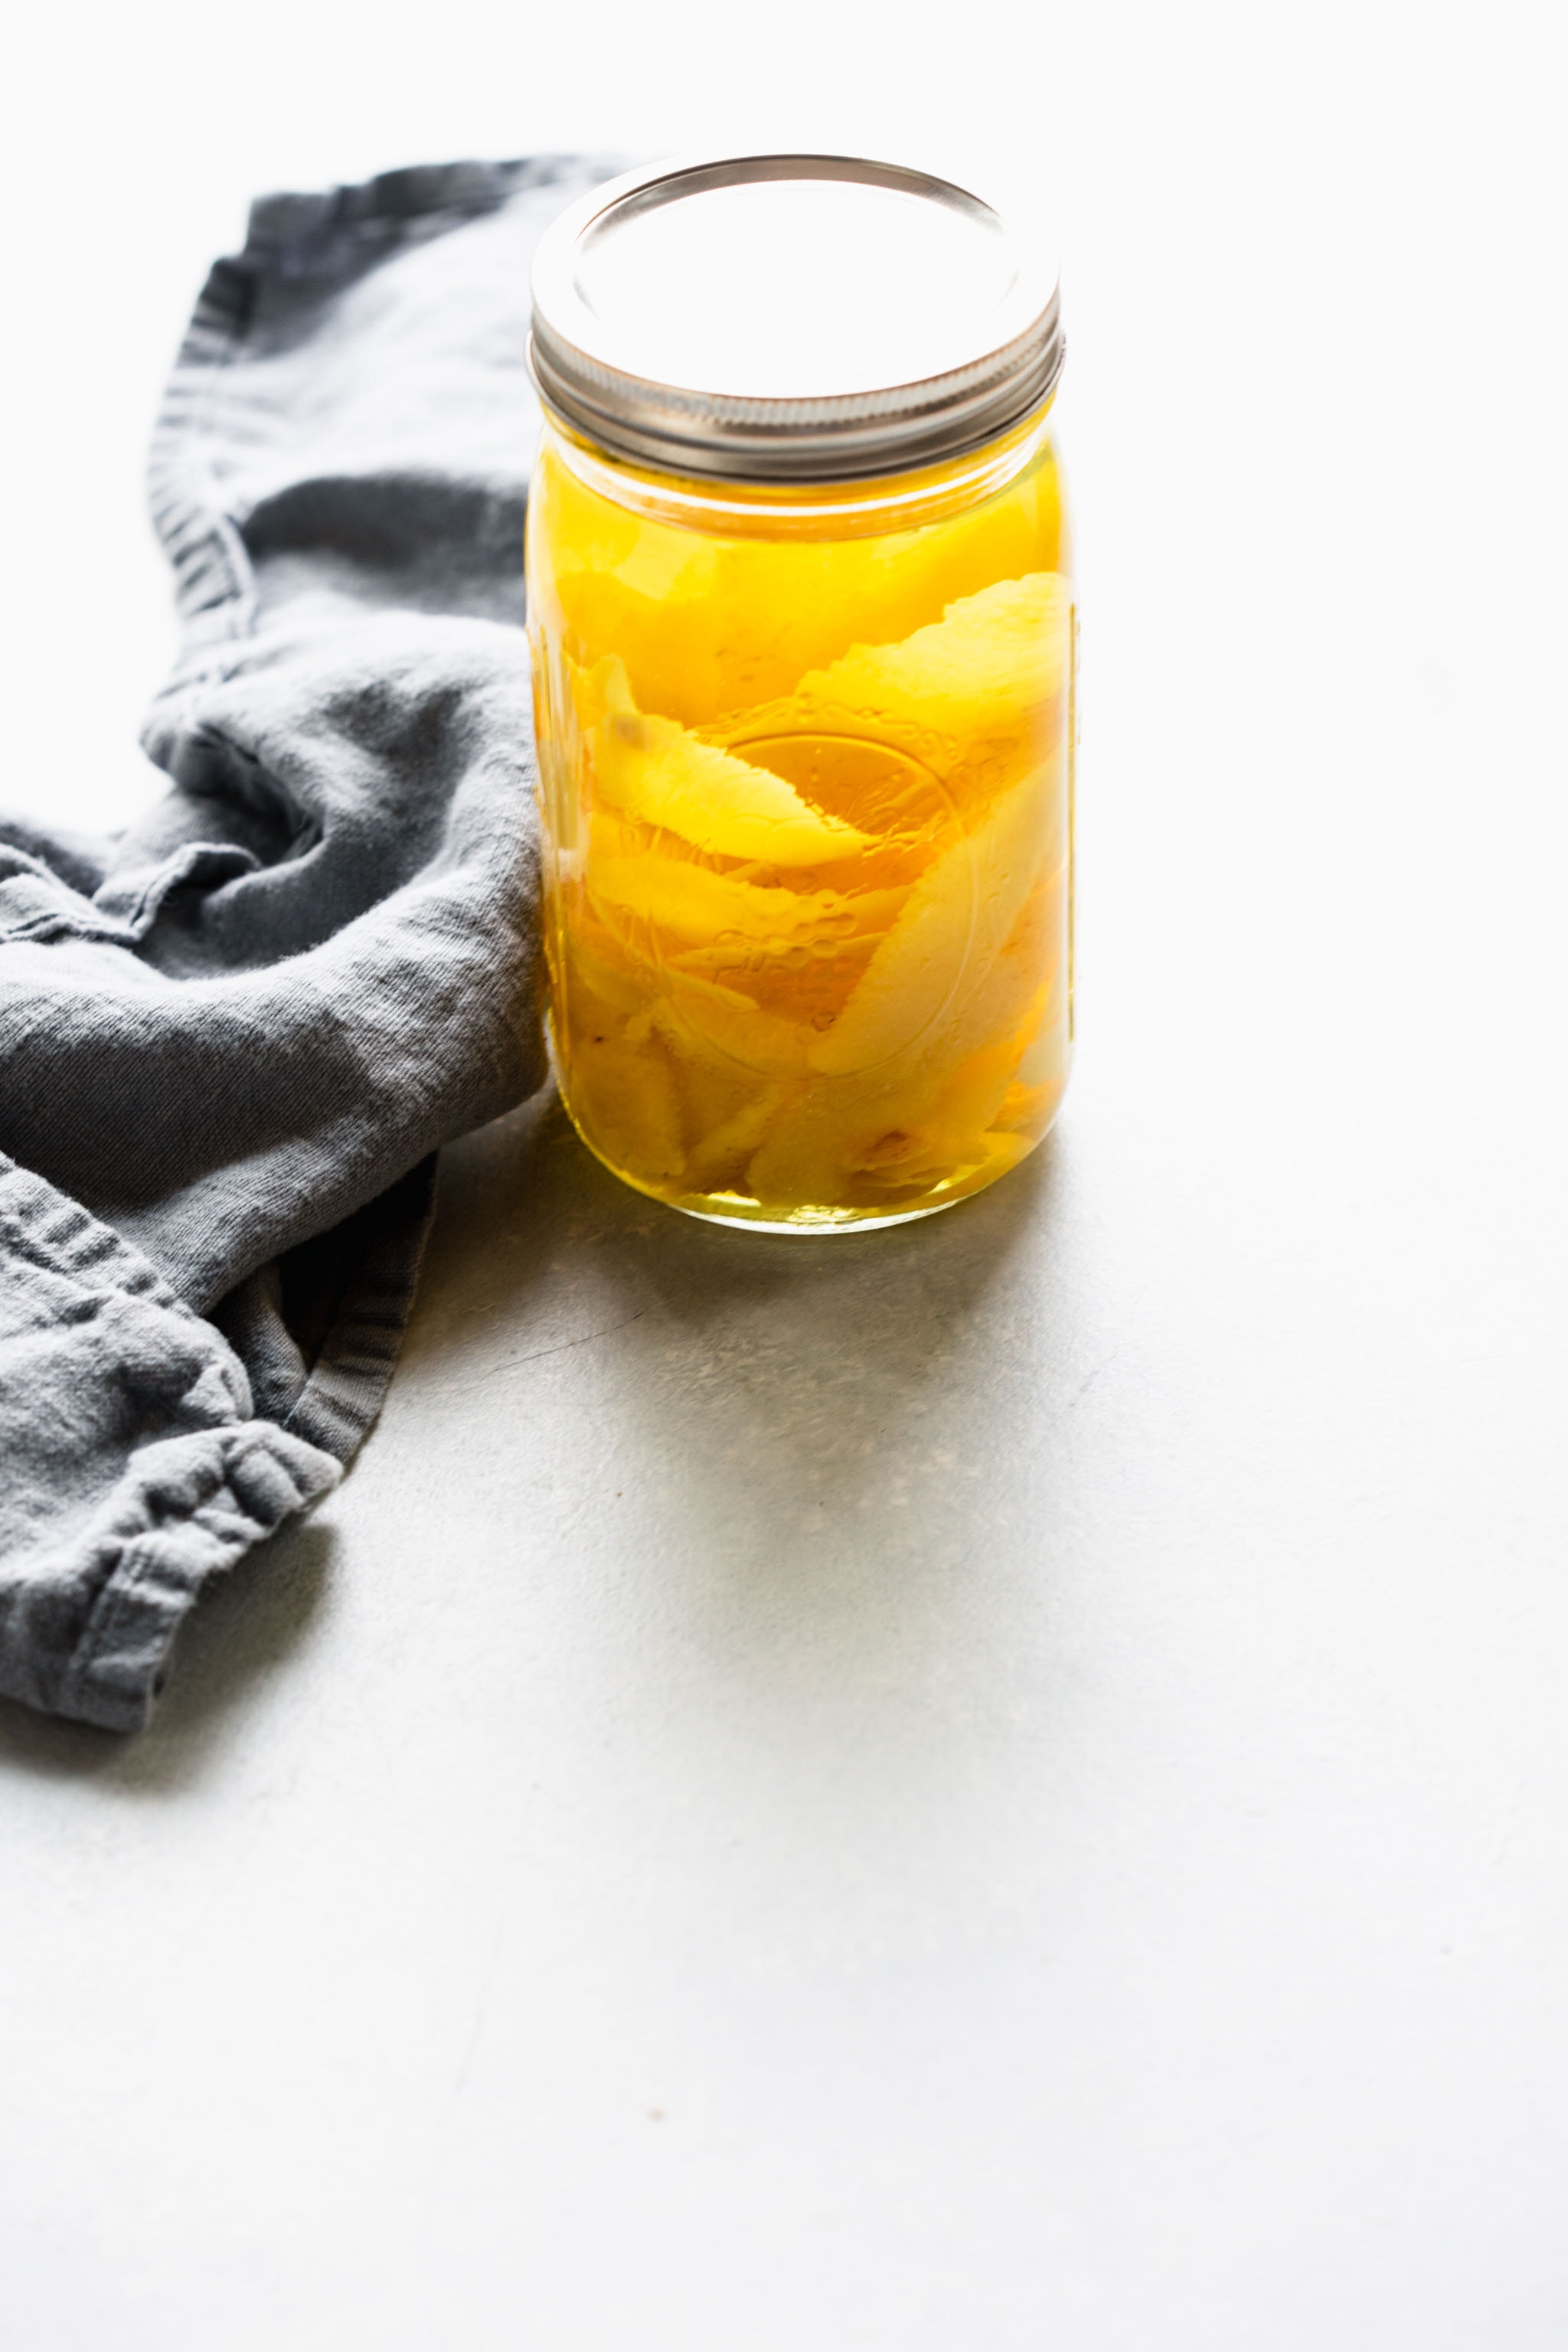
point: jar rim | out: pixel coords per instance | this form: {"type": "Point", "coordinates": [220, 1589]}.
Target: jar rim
{"type": "Point", "coordinates": [653, 337]}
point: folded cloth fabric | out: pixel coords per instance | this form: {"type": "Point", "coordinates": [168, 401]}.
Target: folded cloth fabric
{"type": "Point", "coordinates": [232, 1038]}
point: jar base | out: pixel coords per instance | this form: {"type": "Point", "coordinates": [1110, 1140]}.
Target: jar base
{"type": "Point", "coordinates": [1004, 1149]}
{"type": "Point", "coordinates": [815, 1222]}
{"type": "Point", "coordinates": [755, 1216]}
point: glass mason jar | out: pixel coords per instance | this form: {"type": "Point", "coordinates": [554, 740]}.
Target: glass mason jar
{"type": "Point", "coordinates": [804, 644]}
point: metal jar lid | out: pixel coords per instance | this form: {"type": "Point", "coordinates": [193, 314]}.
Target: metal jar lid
{"type": "Point", "coordinates": [789, 318]}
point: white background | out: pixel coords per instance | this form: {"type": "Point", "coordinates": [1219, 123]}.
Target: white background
{"type": "Point", "coordinates": [1010, 1787]}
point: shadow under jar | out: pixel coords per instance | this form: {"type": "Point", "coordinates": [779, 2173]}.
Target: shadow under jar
{"type": "Point", "coordinates": [804, 642]}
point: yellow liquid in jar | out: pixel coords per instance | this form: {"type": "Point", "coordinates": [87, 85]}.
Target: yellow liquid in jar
{"type": "Point", "coordinates": [804, 777]}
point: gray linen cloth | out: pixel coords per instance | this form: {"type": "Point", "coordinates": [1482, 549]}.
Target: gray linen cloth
{"type": "Point", "coordinates": [231, 1037]}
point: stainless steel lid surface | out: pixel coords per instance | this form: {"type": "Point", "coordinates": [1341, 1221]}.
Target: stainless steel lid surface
{"type": "Point", "coordinates": [790, 317]}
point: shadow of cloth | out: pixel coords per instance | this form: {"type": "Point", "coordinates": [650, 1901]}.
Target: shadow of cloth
{"type": "Point", "coordinates": [233, 1037]}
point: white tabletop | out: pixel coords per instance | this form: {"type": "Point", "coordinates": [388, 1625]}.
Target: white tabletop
{"type": "Point", "coordinates": [993, 1786]}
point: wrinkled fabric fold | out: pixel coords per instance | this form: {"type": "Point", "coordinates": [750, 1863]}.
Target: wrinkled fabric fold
{"type": "Point", "coordinates": [134, 1465]}
{"type": "Point", "coordinates": [233, 1037]}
